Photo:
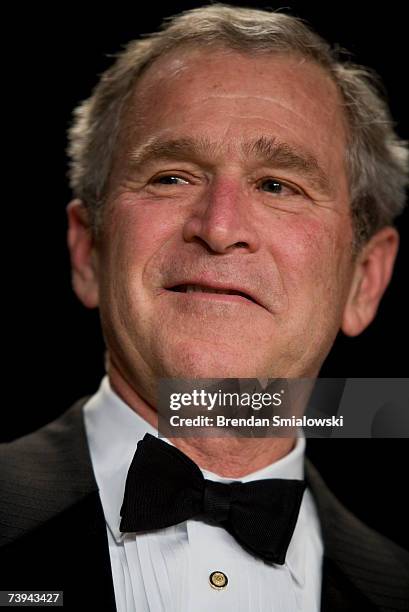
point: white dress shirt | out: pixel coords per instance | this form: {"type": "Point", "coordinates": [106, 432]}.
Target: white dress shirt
{"type": "Point", "coordinates": [168, 570]}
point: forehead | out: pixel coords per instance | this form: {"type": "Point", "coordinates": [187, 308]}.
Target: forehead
{"type": "Point", "coordinates": [227, 95]}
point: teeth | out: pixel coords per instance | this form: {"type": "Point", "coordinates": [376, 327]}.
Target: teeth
{"type": "Point", "coordinates": [198, 288]}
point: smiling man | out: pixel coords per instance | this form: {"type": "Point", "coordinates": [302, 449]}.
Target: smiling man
{"type": "Point", "coordinates": [235, 188]}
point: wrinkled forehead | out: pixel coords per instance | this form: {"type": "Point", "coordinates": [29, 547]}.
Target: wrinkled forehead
{"type": "Point", "coordinates": [224, 71]}
{"type": "Point", "coordinates": [197, 88]}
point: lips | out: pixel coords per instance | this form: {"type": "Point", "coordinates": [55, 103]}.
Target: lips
{"type": "Point", "coordinates": [203, 288]}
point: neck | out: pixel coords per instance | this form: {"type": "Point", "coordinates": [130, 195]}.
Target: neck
{"type": "Point", "coordinates": [228, 456]}
{"type": "Point", "coordinates": [234, 457]}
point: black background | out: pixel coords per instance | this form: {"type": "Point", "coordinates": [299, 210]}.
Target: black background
{"type": "Point", "coordinates": [52, 346]}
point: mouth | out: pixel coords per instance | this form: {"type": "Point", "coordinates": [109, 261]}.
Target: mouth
{"type": "Point", "coordinates": [203, 290]}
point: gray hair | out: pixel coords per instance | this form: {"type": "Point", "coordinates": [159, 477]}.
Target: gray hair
{"type": "Point", "coordinates": [376, 158]}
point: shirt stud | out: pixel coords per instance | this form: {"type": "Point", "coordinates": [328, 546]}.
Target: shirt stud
{"type": "Point", "coordinates": [218, 580]}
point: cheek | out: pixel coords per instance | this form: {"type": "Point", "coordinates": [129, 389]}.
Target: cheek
{"type": "Point", "coordinates": [136, 231]}
{"type": "Point", "coordinates": [311, 256]}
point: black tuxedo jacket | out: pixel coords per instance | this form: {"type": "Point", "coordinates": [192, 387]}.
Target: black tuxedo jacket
{"type": "Point", "coordinates": [53, 533]}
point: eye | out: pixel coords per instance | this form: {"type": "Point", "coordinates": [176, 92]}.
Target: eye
{"type": "Point", "coordinates": [277, 187]}
{"type": "Point", "coordinates": [169, 179]}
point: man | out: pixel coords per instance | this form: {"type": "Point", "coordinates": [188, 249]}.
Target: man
{"type": "Point", "coordinates": [235, 188]}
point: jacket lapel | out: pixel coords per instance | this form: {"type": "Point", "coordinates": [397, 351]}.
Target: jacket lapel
{"type": "Point", "coordinates": [362, 570]}
{"type": "Point", "coordinates": [57, 539]}
{"type": "Point", "coordinates": [338, 594]}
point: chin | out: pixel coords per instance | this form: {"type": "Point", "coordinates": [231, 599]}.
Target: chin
{"type": "Point", "coordinates": [191, 362]}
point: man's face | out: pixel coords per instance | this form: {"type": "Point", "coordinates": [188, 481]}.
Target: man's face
{"type": "Point", "coordinates": [229, 175]}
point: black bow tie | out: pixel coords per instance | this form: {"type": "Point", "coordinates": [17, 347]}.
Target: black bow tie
{"type": "Point", "coordinates": [164, 487]}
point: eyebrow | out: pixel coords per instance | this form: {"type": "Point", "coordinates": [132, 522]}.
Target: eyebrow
{"type": "Point", "coordinates": [269, 151]}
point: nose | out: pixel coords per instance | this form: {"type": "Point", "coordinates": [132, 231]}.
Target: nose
{"type": "Point", "coordinates": [222, 221]}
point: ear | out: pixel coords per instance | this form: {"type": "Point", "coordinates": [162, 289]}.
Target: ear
{"type": "Point", "coordinates": [372, 273]}
{"type": "Point", "coordinates": [83, 254]}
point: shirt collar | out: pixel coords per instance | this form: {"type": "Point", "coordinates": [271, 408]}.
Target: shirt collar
{"type": "Point", "coordinates": [113, 431]}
